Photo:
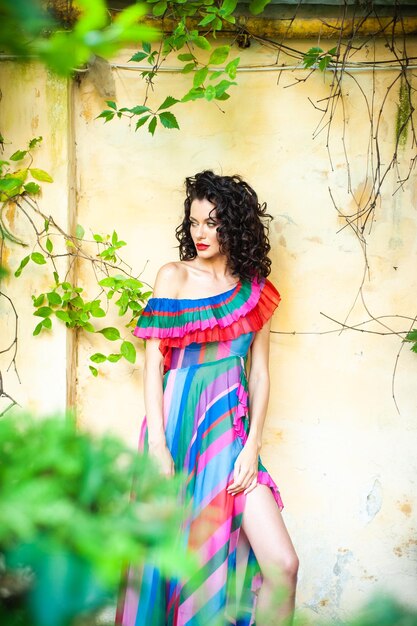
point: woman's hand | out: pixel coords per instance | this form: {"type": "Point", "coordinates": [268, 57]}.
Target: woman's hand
{"type": "Point", "coordinates": [245, 476]}
{"type": "Point", "coordinates": [163, 458]}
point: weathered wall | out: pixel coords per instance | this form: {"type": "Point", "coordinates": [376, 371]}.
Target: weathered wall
{"type": "Point", "coordinates": [334, 441]}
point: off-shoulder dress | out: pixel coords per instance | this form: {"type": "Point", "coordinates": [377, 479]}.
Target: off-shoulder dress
{"type": "Point", "coordinates": [205, 343]}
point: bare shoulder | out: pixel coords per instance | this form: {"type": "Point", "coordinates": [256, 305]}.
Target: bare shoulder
{"type": "Point", "coordinates": [168, 280]}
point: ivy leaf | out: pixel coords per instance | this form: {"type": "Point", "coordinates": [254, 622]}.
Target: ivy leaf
{"type": "Point", "coordinates": [54, 298]}
{"type": "Point", "coordinates": [41, 175]}
{"type": "Point", "coordinates": [257, 6]}
{"type": "Point", "coordinates": [231, 68]}
{"type": "Point", "coordinates": [200, 76]}
{"type": "Point", "coordinates": [23, 264]}
{"type": "Point", "coordinates": [38, 329]}
{"type": "Point", "coordinates": [186, 57]}
{"type": "Point", "coordinates": [219, 55]}
{"type": "Point", "coordinates": [93, 370]}
{"type": "Point", "coordinates": [147, 47]}
{"type": "Point", "coordinates": [38, 258]}
{"type": "Point", "coordinates": [18, 155]}
{"type": "Point", "coordinates": [111, 104]}
{"type": "Point", "coordinates": [139, 56]}
{"type": "Point", "coordinates": [110, 333]}
{"type": "Point", "coordinates": [152, 125]}
{"type": "Point", "coordinates": [47, 323]}
{"type": "Point", "coordinates": [63, 316]}
{"type": "Point", "coordinates": [139, 109]}
{"type": "Point", "coordinates": [210, 93]}
{"type": "Point", "coordinates": [79, 231]}
{"type": "Point", "coordinates": [32, 188]}
{"type": "Point", "coordinates": [49, 245]}
{"type": "Point", "coordinates": [44, 311]}
{"type": "Point", "coordinates": [142, 121]}
{"type": "Point", "coordinates": [228, 7]}
{"type": "Point", "coordinates": [159, 8]}
{"type": "Point", "coordinates": [168, 102]}
{"type": "Point", "coordinates": [210, 17]}
{"type": "Point", "coordinates": [201, 42]}
{"type": "Point", "coordinates": [128, 350]}
{"type": "Point", "coordinates": [98, 358]}
{"type": "Point", "coordinates": [98, 312]}
{"type": "Point", "coordinates": [168, 120]}
{"type": "Point", "coordinates": [113, 358]}
{"type": "Point", "coordinates": [39, 300]}
{"type": "Point", "coordinates": [188, 68]}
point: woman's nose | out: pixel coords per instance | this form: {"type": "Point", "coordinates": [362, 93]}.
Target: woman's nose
{"type": "Point", "coordinates": [200, 231]}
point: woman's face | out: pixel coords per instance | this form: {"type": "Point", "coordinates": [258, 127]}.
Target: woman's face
{"type": "Point", "coordinates": [203, 228]}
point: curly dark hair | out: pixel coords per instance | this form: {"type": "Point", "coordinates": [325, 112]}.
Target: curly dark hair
{"type": "Point", "coordinates": [243, 223]}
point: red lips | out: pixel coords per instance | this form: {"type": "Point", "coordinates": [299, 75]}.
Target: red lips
{"type": "Point", "coordinates": [201, 246]}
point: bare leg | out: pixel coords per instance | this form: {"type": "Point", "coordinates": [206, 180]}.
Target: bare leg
{"type": "Point", "coordinates": [266, 532]}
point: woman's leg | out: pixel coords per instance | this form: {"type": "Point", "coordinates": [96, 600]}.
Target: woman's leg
{"type": "Point", "coordinates": [266, 532]}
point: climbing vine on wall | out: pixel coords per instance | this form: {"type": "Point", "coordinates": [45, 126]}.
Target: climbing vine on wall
{"type": "Point", "coordinates": [194, 34]}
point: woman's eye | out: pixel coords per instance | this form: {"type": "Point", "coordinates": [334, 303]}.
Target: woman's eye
{"type": "Point", "coordinates": [211, 224]}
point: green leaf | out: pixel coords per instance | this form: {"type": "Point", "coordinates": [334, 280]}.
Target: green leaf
{"type": "Point", "coordinates": [93, 370]}
{"type": "Point", "coordinates": [113, 358]}
{"type": "Point", "coordinates": [44, 311]}
{"type": "Point", "coordinates": [54, 298]}
{"type": "Point", "coordinates": [138, 110]}
{"type": "Point", "coordinates": [38, 258]}
{"type": "Point", "coordinates": [107, 282]}
{"type": "Point", "coordinates": [168, 120]}
{"type": "Point", "coordinates": [257, 6]}
{"type": "Point", "coordinates": [128, 351]}
{"type": "Point", "coordinates": [210, 17]}
{"type": "Point", "coordinates": [412, 335]}
{"type": "Point", "coordinates": [98, 312]}
{"type": "Point", "coordinates": [210, 93]}
{"type": "Point", "coordinates": [47, 323]}
{"type": "Point", "coordinates": [193, 94]}
{"type": "Point", "coordinates": [219, 55]}
{"type": "Point", "coordinates": [98, 358]}
{"type": "Point", "coordinates": [98, 238]}
{"type": "Point", "coordinates": [18, 155]}
{"type": "Point", "coordinates": [49, 245]}
{"type": "Point", "coordinates": [200, 76]}
{"type": "Point", "coordinates": [168, 102]}
{"type": "Point", "coordinates": [147, 47]}
{"type": "Point", "coordinates": [39, 300]}
{"type": "Point", "coordinates": [228, 7]}
{"type": "Point", "coordinates": [110, 333]}
{"type": "Point", "coordinates": [188, 68]}
{"type": "Point", "coordinates": [32, 188]}
{"type": "Point", "coordinates": [56, 277]}
{"type": "Point", "coordinates": [23, 264]}
{"type": "Point", "coordinates": [111, 104]}
{"type": "Point", "coordinates": [186, 57]}
{"type": "Point", "coordinates": [152, 125]}
{"type": "Point", "coordinates": [201, 42]}
{"type": "Point", "coordinates": [222, 86]}
{"type": "Point", "coordinates": [88, 327]}
{"type": "Point", "coordinates": [38, 329]}
{"type": "Point", "coordinates": [139, 56]}
{"type": "Point", "coordinates": [142, 121]}
{"type": "Point", "coordinates": [41, 175]}
{"type": "Point", "coordinates": [114, 238]}
{"type": "Point", "coordinates": [63, 316]}
{"type": "Point", "coordinates": [79, 231]}
{"type": "Point", "coordinates": [159, 8]}
{"type": "Point", "coordinates": [231, 68]}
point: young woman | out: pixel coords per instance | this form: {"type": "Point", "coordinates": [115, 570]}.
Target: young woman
{"type": "Point", "coordinates": [206, 385]}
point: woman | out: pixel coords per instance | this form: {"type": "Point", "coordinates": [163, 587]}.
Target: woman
{"type": "Point", "coordinates": [210, 314]}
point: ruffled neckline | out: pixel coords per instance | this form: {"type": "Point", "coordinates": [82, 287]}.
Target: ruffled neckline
{"type": "Point", "coordinates": [218, 297]}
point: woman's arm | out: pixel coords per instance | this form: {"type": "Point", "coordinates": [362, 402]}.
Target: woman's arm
{"type": "Point", "coordinates": [165, 286]}
{"type": "Point", "coordinates": [246, 466]}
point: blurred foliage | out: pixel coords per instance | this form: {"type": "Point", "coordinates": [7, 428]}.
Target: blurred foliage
{"type": "Point", "coordinates": [412, 337]}
{"type": "Point", "coordinates": [75, 508]}
{"type": "Point", "coordinates": [28, 28]}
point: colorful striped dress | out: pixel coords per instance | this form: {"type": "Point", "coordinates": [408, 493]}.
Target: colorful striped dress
{"type": "Point", "coordinates": [205, 343]}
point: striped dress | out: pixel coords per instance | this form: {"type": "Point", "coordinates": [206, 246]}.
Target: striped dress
{"type": "Point", "coordinates": [205, 343]}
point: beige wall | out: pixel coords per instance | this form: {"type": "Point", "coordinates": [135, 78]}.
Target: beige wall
{"type": "Point", "coordinates": [342, 455]}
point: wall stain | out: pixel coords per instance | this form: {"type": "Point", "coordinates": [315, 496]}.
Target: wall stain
{"type": "Point", "coordinates": [374, 500]}
{"type": "Point", "coordinates": [405, 508]}
{"type": "Point", "coordinates": [404, 549]}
